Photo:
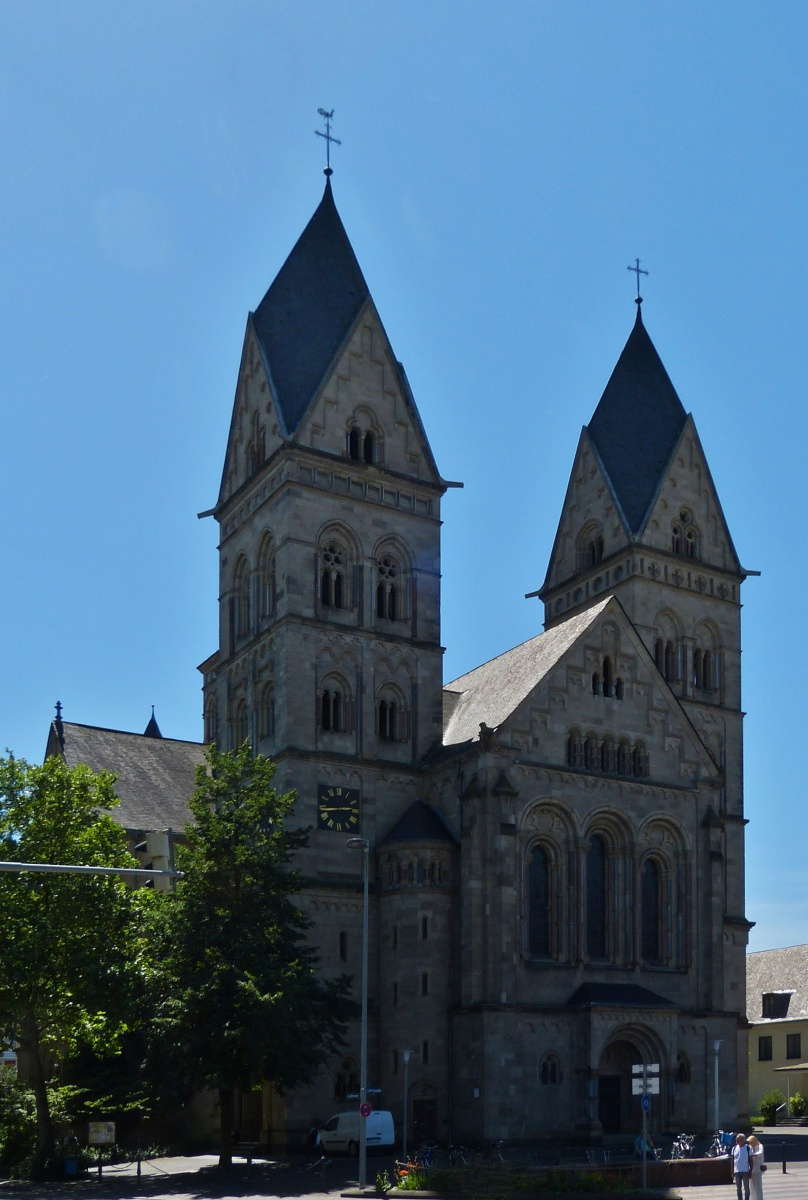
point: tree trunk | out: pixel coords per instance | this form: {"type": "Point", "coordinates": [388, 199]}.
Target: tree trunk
{"type": "Point", "coordinates": [39, 1084]}
{"type": "Point", "coordinates": [226, 1114]}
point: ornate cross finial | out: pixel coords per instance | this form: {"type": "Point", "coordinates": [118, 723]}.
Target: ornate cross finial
{"type": "Point", "coordinates": [58, 710]}
{"type": "Point", "coordinates": [638, 271]}
{"type": "Point", "coordinates": [329, 138]}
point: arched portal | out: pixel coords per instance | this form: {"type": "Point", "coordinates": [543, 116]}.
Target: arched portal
{"type": "Point", "coordinates": [618, 1110]}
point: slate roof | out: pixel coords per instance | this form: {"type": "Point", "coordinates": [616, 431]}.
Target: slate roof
{"type": "Point", "coordinates": [617, 995]}
{"type": "Point", "coordinates": [155, 774]}
{"type": "Point", "coordinates": [420, 823]}
{"type": "Point", "coordinates": [491, 692]}
{"type": "Point", "coordinates": [784, 970]}
{"type": "Point", "coordinates": [637, 424]}
{"type": "Point", "coordinates": [309, 310]}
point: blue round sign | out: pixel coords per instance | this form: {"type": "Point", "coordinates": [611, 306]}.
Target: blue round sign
{"type": "Point", "coordinates": [645, 1102]}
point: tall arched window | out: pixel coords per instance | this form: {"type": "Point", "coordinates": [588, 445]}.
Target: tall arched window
{"type": "Point", "coordinates": [266, 578]}
{"type": "Point", "coordinates": [596, 898]}
{"type": "Point", "coordinates": [240, 726]}
{"type": "Point", "coordinates": [574, 750]}
{"type": "Point", "coordinates": [389, 604]}
{"type": "Point", "coordinates": [591, 753]}
{"type": "Point", "coordinates": [538, 902]}
{"type": "Point", "coordinates": [210, 720]}
{"type": "Point", "coordinates": [333, 575]}
{"type": "Point", "coordinates": [334, 707]}
{"type": "Point", "coordinates": [266, 711]}
{"type": "Point", "coordinates": [685, 538]}
{"type": "Point", "coordinates": [241, 598]}
{"type": "Point", "coordinates": [590, 546]}
{"type": "Point", "coordinates": [623, 757]}
{"type": "Point", "coordinates": [651, 932]}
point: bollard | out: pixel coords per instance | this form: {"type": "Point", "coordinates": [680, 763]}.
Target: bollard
{"type": "Point", "coordinates": [138, 1166]}
{"type": "Point", "coordinates": [99, 1168]}
{"type": "Point", "coordinates": [784, 1158]}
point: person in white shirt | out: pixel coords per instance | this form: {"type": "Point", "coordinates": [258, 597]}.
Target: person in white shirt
{"type": "Point", "coordinates": [758, 1164]}
{"type": "Point", "coordinates": [741, 1166]}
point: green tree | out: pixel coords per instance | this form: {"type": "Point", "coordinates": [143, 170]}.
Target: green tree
{"type": "Point", "coordinates": [69, 944]}
{"type": "Point", "coordinates": [242, 1002]}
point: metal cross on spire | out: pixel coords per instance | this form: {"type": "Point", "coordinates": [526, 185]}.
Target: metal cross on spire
{"type": "Point", "coordinates": [638, 271]}
{"type": "Point", "coordinates": [329, 138]}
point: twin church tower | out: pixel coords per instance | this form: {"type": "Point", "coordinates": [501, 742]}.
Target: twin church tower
{"type": "Point", "coordinates": [557, 864]}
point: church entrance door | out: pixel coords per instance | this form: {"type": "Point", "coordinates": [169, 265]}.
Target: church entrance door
{"type": "Point", "coordinates": [609, 1109]}
{"type": "Point", "coordinates": [618, 1110]}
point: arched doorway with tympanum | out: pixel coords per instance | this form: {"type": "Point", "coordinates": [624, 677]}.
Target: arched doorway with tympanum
{"type": "Point", "coordinates": [619, 1109]}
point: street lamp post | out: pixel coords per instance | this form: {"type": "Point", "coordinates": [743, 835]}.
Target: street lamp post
{"type": "Point", "coordinates": [406, 1057]}
{"type": "Point", "coordinates": [716, 1048]}
{"type": "Point", "coordinates": [357, 843]}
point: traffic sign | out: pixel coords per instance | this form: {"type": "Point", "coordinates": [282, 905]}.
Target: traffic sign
{"type": "Point", "coordinates": [365, 1110]}
{"type": "Point", "coordinates": [374, 1091]}
{"type": "Point", "coordinates": [646, 1103]}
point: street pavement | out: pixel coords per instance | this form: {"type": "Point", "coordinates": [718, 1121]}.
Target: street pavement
{"type": "Point", "coordinates": [197, 1178]}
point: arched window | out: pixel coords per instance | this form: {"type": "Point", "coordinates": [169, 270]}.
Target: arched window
{"type": "Point", "coordinates": [333, 575]}
{"type": "Point", "coordinates": [550, 1073]}
{"type": "Point", "coordinates": [241, 598]}
{"type": "Point", "coordinates": [410, 872]}
{"type": "Point", "coordinates": [639, 761]}
{"type": "Point", "coordinates": [668, 648]}
{"type": "Point", "coordinates": [607, 757]}
{"type": "Point", "coordinates": [240, 726]}
{"type": "Point", "coordinates": [389, 604]}
{"type": "Point", "coordinates": [591, 753]}
{"type": "Point", "coordinates": [623, 757]}
{"type": "Point", "coordinates": [608, 676]}
{"type": "Point", "coordinates": [392, 719]}
{"type": "Point", "coordinates": [538, 902]}
{"type": "Point", "coordinates": [346, 1080]}
{"type": "Point", "coordinates": [595, 683]}
{"type": "Point", "coordinates": [651, 932]}
{"type": "Point", "coordinates": [362, 440]}
{"type": "Point", "coordinates": [210, 720]}
{"type": "Point", "coordinates": [266, 578]}
{"type": "Point", "coordinates": [266, 711]}
{"type": "Point", "coordinates": [685, 538]}
{"type": "Point", "coordinates": [618, 689]}
{"type": "Point", "coordinates": [334, 707]}
{"type": "Point", "coordinates": [256, 447]}
{"type": "Point", "coordinates": [574, 749]}
{"type": "Point", "coordinates": [590, 546]}
{"type": "Point", "coordinates": [706, 661]}
{"type": "Point", "coordinates": [596, 898]}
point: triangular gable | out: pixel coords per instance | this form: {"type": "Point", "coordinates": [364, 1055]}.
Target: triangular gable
{"type": "Point", "coordinates": [648, 675]}
{"type": "Point", "coordinates": [255, 399]}
{"type": "Point", "coordinates": [365, 375]}
{"type": "Point", "coordinates": [688, 482]}
{"type": "Point", "coordinates": [491, 692]}
{"type": "Point", "coordinates": [590, 496]}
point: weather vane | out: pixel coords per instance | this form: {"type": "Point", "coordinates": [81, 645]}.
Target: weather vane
{"type": "Point", "coordinates": [638, 271]}
{"type": "Point", "coordinates": [329, 138]}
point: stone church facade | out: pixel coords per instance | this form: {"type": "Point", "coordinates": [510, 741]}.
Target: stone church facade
{"type": "Point", "coordinates": [557, 837]}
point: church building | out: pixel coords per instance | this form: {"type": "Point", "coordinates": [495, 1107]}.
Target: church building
{"type": "Point", "coordinates": [557, 836]}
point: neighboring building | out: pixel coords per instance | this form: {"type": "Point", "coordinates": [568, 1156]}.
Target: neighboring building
{"type": "Point", "coordinates": [155, 779]}
{"type": "Point", "coordinates": [777, 1010]}
{"type": "Point", "coordinates": [558, 835]}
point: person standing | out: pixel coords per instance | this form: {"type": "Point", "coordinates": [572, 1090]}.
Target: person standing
{"type": "Point", "coordinates": [758, 1163]}
{"type": "Point", "coordinates": [741, 1166]}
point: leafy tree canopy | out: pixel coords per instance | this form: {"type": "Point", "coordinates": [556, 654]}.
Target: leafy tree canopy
{"type": "Point", "coordinates": [242, 1002]}
{"type": "Point", "coordinates": [70, 945]}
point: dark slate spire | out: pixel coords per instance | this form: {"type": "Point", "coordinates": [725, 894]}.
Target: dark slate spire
{"type": "Point", "coordinates": [152, 729]}
{"type": "Point", "coordinates": [309, 310]}
{"type": "Point", "coordinates": [636, 425]}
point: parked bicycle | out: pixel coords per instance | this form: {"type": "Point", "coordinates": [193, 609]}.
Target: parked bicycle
{"type": "Point", "coordinates": [683, 1145]}
{"type": "Point", "coordinates": [493, 1152]}
{"type": "Point", "coordinates": [721, 1145]}
{"type": "Point", "coordinates": [424, 1155]}
{"type": "Point", "coordinates": [459, 1156]}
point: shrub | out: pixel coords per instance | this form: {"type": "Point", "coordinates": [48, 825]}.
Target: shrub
{"type": "Point", "coordinates": [798, 1105]}
{"type": "Point", "coordinates": [769, 1105]}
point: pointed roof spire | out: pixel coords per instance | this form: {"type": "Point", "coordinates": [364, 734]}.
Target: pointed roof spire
{"type": "Point", "coordinates": [309, 310]}
{"type": "Point", "coordinates": [152, 730]}
{"type": "Point", "coordinates": [637, 424]}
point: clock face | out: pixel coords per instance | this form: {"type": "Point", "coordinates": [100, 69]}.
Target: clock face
{"type": "Point", "coordinates": [338, 808]}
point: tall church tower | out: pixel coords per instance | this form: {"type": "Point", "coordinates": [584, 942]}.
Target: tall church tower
{"type": "Point", "coordinates": [329, 655]}
{"type": "Point", "coordinates": [642, 521]}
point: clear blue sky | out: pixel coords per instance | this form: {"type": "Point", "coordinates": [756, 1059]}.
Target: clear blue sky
{"type": "Point", "coordinates": [500, 167]}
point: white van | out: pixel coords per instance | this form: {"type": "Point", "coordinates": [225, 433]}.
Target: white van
{"type": "Point", "coordinates": [340, 1134]}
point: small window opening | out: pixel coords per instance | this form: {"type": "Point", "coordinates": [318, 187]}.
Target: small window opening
{"type": "Point", "coordinates": [424, 984]}
{"type": "Point", "coordinates": [343, 947]}
{"type": "Point", "coordinates": [425, 920]}
{"type": "Point", "coordinates": [425, 1054]}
